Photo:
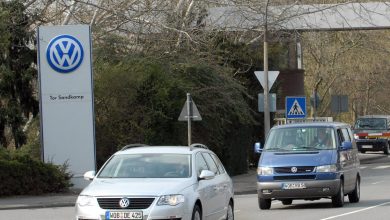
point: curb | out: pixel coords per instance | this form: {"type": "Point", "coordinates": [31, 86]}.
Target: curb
{"type": "Point", "coordinates": [24, 206]}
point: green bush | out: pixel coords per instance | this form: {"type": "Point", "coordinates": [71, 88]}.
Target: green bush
{"type": "Point", "coordinates": [22, 175]}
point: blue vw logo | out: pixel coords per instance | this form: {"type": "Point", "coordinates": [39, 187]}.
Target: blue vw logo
{"type": "Point", "coordinates": [64, 53]}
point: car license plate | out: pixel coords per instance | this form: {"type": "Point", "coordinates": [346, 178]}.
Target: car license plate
{"type": "Point", "coordinates": [367, 146]}
{"type": "Point", "coordinates": [293, 186]}
{"type": "Point", "coordinates": [123, 215]}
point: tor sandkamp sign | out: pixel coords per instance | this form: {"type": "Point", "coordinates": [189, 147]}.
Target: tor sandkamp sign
{"type": "Point", "coordinates": [66, 98]}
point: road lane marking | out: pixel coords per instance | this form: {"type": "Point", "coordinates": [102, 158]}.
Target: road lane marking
{"type": "Point", "coordinates": [360, 210]}
{"type": "Point", "coordinates": [381, 167]}
{"type": "Point", "coordinates": [237, 211]}
{"type": "Point", "coordinates": [363, 167]}
{"type": "Point", "coordinates": [377, 182]}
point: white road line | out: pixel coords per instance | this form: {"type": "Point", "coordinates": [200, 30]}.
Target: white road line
{"type": "Point", "coordinates": [363, 167]}
{"type": "Point", "coordinates": [377, 182]}
{"type": "Point", "coordinates": [235, 211]}
{"type": "Point", "coordinates": [360, 210]}
{"type": "Point", "coordinates": [381, 167]}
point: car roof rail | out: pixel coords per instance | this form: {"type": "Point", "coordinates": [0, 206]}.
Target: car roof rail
{"type": "Point", "coordinates": [132, 146]}
{"type": "Point", "coordinates": [198, 145]}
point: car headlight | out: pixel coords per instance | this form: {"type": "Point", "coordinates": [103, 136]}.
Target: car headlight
{"type": "Point", "coordinates": [86, 201]}
{"type": "Point", "coordinates": [356, 136]}
{"type": "Point", "coordinates": [264, 171]}
{"type": "Point", "coordinates": [326, 168]}
{"type": "Point", "coordinates": [171, 200]}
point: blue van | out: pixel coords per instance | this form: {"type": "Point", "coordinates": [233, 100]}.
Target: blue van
{"type": "Point", "coordinates": [308, 161]}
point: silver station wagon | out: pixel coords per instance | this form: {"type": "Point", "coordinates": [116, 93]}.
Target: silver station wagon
{"type": "Point", "coordinates": [158, 182]}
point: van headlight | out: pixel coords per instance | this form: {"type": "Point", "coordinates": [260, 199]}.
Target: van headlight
{"type": "Point", "coordinates": [171, 200]}
{"type": "Point", "coordinates": [265, 171]}
{"type": "Point", "coordinates": [86, 201]}
{"type": "Point", "coordinates": [326, 168]}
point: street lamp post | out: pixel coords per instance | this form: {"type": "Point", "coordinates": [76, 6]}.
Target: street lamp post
{"type": "Point", "coordinates": [266, 86]}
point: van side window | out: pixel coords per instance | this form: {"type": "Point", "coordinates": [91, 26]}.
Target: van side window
{"type": "Point", "coordinates": [346, 136]}
{"type": "Point", "coordinates": [340, 137]}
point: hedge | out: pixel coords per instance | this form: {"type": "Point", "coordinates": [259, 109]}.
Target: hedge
{"type": "Point", "coordinates": [23, 175]}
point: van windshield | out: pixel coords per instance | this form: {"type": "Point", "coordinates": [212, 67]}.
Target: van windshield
{"type": "Point", "coordinates": [301, 139]}
{"type": "Point", "coordinates": [371, 123]}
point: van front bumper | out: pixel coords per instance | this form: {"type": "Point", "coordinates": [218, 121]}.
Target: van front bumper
{"type": "Point", "coordinates": [313, 189]}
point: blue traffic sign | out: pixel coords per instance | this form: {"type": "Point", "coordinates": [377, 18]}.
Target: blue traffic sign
{"type": "Point", "coordinates": [295, 107]}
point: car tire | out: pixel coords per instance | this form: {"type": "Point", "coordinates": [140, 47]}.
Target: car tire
{"type": "Point", "coordinates": [264, 203]}
{"type": "Point", "coordinates": [196, 213]}
{"type": "Point", "coordinates": [230, 212]}
{"type": "Point", "coordinates": [387, 149]}
{"type": "Point", "coordinates": [338, 199]}
{"type": "Point", "coordinates": [287, 201]}
{"type": "Point", "coordinates": [354, 196]}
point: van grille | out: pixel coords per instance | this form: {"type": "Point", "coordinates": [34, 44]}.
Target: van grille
{"type": "Point", "coordinates": [135, 203]}
{"type": "Point", "coordinates": [302, 169]}
{"type": "Point", "coordinates": [295, 177]}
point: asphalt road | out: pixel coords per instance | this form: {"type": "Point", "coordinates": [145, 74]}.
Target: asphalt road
{"type": "Point", "coordinates": [374, 204]}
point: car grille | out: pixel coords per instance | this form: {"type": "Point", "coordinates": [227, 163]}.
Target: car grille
{"type": "Point", "coordinates": [135, 203]}
{"type": "Point", "coordinates": [295, 177]}
{"type": "Point", "coordinates": [303, 169]}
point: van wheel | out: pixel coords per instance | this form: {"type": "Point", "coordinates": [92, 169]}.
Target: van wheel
{"type": "Point", "coordinates": [287, 201]}
{"type": "Point", "coordinates": [196, 213]}
{"type": "Point", "coordinates": [338, 199]}
{"type": "Point", "coordinates": [264, 203]}
{"type": "Point", "coordinates": [354, 196]}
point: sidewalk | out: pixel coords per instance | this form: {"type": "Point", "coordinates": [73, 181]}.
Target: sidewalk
{"type": "Point", "coordinates": [243, 184]}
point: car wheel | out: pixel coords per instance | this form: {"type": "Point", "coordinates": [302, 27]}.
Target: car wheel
{"type": "Point", "coordinates": [197, 213]}
{"type": "Point", "coordinates": [387, 149]}
{"type": "Point", "coordinates": [354, 196]}
{"type": "Point", "coordinates": [287, 201]}
{"type": "Point", "coordinates": [230, 212]}
{"type": "Point", "coordinates": [264, 203]}
{"type": "Point", "coordinates": [338, 199]}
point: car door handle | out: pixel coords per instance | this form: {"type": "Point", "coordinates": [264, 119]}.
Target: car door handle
{"type": "Point", "coordinates": [216, 188]}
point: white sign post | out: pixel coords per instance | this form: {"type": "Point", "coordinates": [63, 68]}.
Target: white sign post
{"type": "Point", "coordinates": [66, 98]}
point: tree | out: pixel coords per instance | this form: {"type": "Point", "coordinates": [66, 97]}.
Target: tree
{"type": "Point", "coordinates": [17, 74]}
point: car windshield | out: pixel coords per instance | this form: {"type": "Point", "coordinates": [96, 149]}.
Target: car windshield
{"type": "Point", "coordinates": [301, 139]}
{"type": "Point", "coordinates": [370, 123]}
{"type": "Point", "coordinates": [147, 166]}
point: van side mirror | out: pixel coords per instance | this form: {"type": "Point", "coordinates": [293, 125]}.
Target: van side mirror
{"type": "Point", "coordinates": [258, 148]}
{"type": "Point", "coordinates": [346, 145]}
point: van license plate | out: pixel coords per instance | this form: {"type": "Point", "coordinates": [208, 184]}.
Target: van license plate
{"type": "Point", "coordinates": [293, 186]}
{"type": "Point", "coordinates": [367, 146]}
{"type": "Point", "coordinates": [123, 215]}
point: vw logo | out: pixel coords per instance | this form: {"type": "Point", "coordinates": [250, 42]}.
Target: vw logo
{"type": "Point", "coordinates": [294, 169]}
{"type": "Point", "coordinates": [64, 53]}
{"type": "Point", "coordinates": [124, 203]}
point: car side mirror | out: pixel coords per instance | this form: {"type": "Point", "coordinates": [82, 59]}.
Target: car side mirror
{"type": "Point", "coordinates": [258, 148]}
{"type": "Point", "coordinates": [206, 175]}
{"type": "Point", "coordinates": [89, 175]}
{"type": "Point", "coordinates": [346, 145]}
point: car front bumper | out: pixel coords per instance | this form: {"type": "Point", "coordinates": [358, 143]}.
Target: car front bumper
{"type": "Point", "coordinates": [314, 189]}
{"type": "Point", "coordinates": [371, 144]}
{"type": "Point", "coordinates": [178, 212]}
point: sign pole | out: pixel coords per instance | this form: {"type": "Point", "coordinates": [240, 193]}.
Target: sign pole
{"type": "Point", "coordinates": [189, 110]}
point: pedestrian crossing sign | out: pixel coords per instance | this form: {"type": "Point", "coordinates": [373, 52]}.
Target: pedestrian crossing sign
{"type": "Point", "coordinates": [295, 107]}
